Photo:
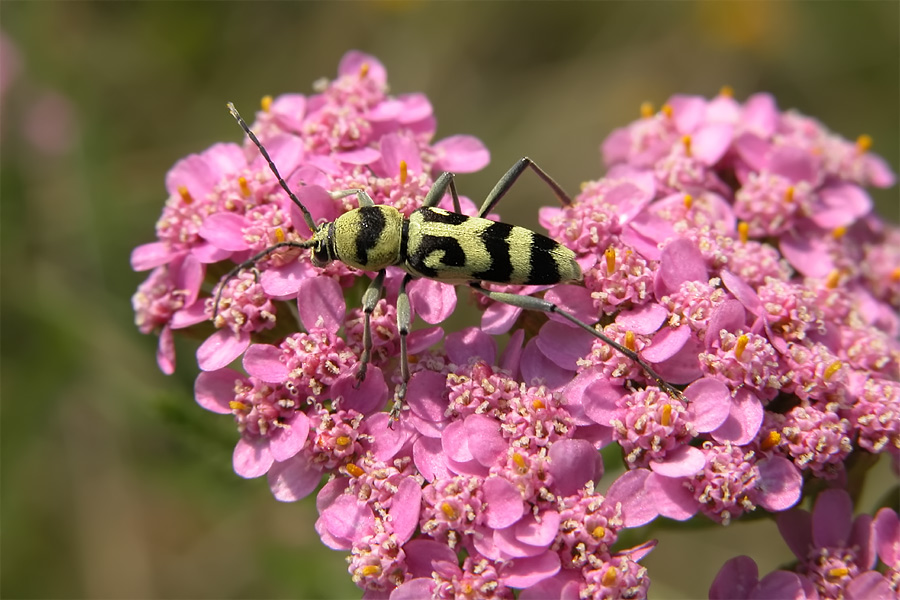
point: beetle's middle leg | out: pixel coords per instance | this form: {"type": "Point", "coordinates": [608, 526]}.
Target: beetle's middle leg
{"type": "Point", "coordinates": [369, 301]}
{"type": "Point", "coordinates": [509, 179]}
{"type": "Point", "coordinates": [404, 318]}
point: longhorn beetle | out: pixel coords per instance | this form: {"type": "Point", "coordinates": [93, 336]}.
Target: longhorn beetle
{"type": "Point", "coordinates": [441, 245]}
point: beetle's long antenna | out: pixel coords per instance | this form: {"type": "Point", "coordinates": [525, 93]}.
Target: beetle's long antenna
{"type": "Point", "coordinates": [306, 215]}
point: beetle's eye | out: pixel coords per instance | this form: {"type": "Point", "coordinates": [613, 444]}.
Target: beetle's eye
{"type": "Point", "coordinates": [320, 255]}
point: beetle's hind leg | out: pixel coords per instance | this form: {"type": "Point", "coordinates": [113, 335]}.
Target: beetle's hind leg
{"type": "Point", "coordinates": [404, 318]}
{"type": "Point", "coordinates": [509, 179]}
{"type": "Point", "coordinates": [532, 303]}
{"type": "Point", "coordinates": [369, 301]}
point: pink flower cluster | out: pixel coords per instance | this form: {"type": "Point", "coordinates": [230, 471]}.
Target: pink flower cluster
{"type": "Point", "coordinates": [731, 245]}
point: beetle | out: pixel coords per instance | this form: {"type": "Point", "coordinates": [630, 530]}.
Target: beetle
{"type": "Point", "coordinates": [438, 244]}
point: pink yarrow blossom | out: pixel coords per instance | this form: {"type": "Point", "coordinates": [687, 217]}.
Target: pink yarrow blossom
{"type": "Point", "coordinates": [727, 247]}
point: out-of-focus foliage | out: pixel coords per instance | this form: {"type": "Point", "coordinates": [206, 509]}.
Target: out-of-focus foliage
{"type": "Point", "coordinates": [114, 484]}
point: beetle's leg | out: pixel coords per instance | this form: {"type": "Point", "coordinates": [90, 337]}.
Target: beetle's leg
{"type": "Point", "coordinates": [507, 181]}
{"type": "Point", "coordinates": [439, 188]}
{"type": "Point", "coordinates": [532, 303]}
{"type": "Point", "coordinates": [369, 301]}
{"type": "Point", "coordinates": [251, 262]}
{"type": "Point", "coordinates": [404, 317]}
{"type": "Point", "coordinates": [361, 195]}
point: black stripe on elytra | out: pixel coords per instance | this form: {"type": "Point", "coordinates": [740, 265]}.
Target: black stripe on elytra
{"type": "Point", "coordinates": [371, 226]}
{"type": "Point", "coordinates": [448, 218]}
{"type": "Point", "coordinates": [544, 269]}
{"type": "Point", "coordinates": [453, 255]}
{"type": "Point", "coordinates": [495, 238]}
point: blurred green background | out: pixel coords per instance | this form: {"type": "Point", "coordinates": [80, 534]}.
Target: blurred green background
{"type": "Point", "coordinates": [114, 483]}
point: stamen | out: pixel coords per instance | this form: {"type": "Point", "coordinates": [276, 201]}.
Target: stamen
{"type": "Point", "coordinates": [686, 140]}
{"type": "Point", "coordinates": [666, 110]}
{"type": "Point", "coordinates": [363, 70]}
{"type": "Point", "coordinates": [837, 573]}
{"type": "Point", "coordinates": [646, 109]}
{"type": "Point", "coordinates": [744, 231]}
{"type": "Point", "coordinates": [833, 279]}
{"type": "Point", "coordinates": [354, 470]}
{"type": "Point", "coordinates": [185, 194]}
{"type": "Point", "coordinates": [449, 512]}
{"type": "Point", "coordinates": [370, 570]}
{"type": "Point", "coordinates": [727, 91]}
{"type": "Point", "coordinates": [832, 369]}
{"type": "Point", "coordinates": [245, 189]}
{"type": "Point", "coordinates": [629, 340]}
{"type": "Point", "coordinates": [666, 419]}
{"type": "Point", "coordinates": [279, 234]}
{"type": "Point", "coordinates": [609, 578]}
{"type": "Point", "coordinates": [839, 232]}
{"type": "Point", "coordinates": [238, 406]}
{"type": "Point", "coordinates": [688, 201]}
{"type": "Point", "coordinates": [342, 441]}
{"type": "Point", "coordinates": [610, 255]}
{"type": "Point", "coordinates": [895, 274]}
{"type": "Point", "coordinates": [741, 345]}
{"type": "Point", "coordinates": [863, 143]}
{"type": "Point", "coordinates": [404, 172]}
{"type": "Point", "coordinates": [789, 194]}
{"type": "Point", "coordinates": [771, 440]}
{"type": "Point", "coordinates": [598, 532]}
{"type": "Point", "coordinates": [266, 103]}
{"type": "Point", "coordinates": [520, 462]}
{"type": "Point", "coordinates": [538, 404]}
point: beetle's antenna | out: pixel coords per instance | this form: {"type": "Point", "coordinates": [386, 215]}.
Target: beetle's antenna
{"type": "Point", "coordinates": [306, 215]}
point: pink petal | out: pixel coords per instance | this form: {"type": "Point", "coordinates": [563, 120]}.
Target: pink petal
{"type": "Point", "coordinates": [347, 519]}
{"type": "Point", "coordinates": [745, 294]}
{"type": "Point", "coordinates": [499, 318]}
{"type": "Point", "coordinates": [538, 531]}
{"type": "Point", "coordinates": [221, 348]}
{"type": "Point", "coordinates": [644, 320]}
{"type": "Point", "coordinates": [208, 253]}
{"type": "Point", "coordinates": [513, 353]}
{"type": "Point", "coordinates": [760, 114]}
{"type": "Point", "coordinates": [832, 518]}
{"type": "Point", "coordinates": [460, 154]}
{"type": "Point", "coordinates": [214, 390]}
{"type": "Point", "coordinates": [284, 281]}
{"type": "Point", "coordinates": [886, 529]}
{"type": "Point", "coordinates": [671, 497]}
{"type": "Point", "coordinates": [735, 580]}
{"type": "Point", "coordinates": [744, 419]}
{"type": "Point", "coordinates": [360, 156]}
{"type": "Point", "coordinates": [165, 351]}
{"type": "Point", "coordinates": [406, 505]}
{"type": "Point", "coordinates": [224, 230]}
{"type": "Point", "coordinates": [870, 585]}
{"type": "Point", "coordinates": [429, 459]}
{"type": "Point", "coordinates": [191, 315]}
{"type": "Point", "coordinates": [710, 402]}
{"type": "Point", "coordinates": [422, 553]}
{"type": "Point", "coordinates": [564, 344]}
{"type": "Point", "coordinates": [294, 479]}
{"type": "Point", "coordinates": [433, 301]}
{"type": "Point", "coordinates": [684, 461]}
{"type": "Point", "coordinates": [366, 396]}
{"type": "Point", "coordinates": [807, 251]}
{"type": "Point", "coordinates": [414, 589]}
{"type": "Point", "coordinates": [573, 463]}
{"type": "Point", "coordinates": [842, 204]}
{"type": "Point", "coordinates": [486, 441]}
{"type": "Point", "coordinates": [264, 362]}
{"type": "Point", "coordinates": [681, 261]}
{"type": "Point", "coordinates": [189, 277]}
{"type": "Point", "coordinates": [252, 459]}
{"type": "Point", "coordinates": [780, 482]}
{"type": "Point", "coordinates": [709, 143]}
{"type": "Point", "coordinates": [684, 366]}
{"type": "Point", "coordinates": [667, 342]}
{"type": "Point", "coordinates": [355, 63]}
{"type": "Point", "coordinates": [149, 256]}
{"type": "Point", "coordinates": [320, 302]}
{"type": "Point", "coordinates": [289, 439]}
{"type": "Point", "coordinates": [526, 572]}
{"type": "Point", "coordinates": [424, 394]}
{"type": "Point", "coordinates": [687, 111]}
{"type": "Point", "coordinates": [729, 316]}
{"type": "Point", "coordinates": [504, 503]}
{"type": "Point", "coordinates": [506, 543]}
{"type": "Point", "coordinates": [318, 202]}
{"type": "Point", "coordinates": [537, 367]}
{"type": "Point", "coordinates": [600, 400]}
{"type": "Point", "coordinates": [455, 442]}
{"type": "Point", "coordinates": [574, 299]}
{"type": "Point", "coordinates": [795, 526]}
{"type": "Point", "coordinates": [422, 339]}
{"type": "Point", "coordinates": [638, 506]}
{"type": "Point", "coordinates": [779, 585]}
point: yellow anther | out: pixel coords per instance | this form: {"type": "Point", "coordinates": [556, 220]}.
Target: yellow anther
{"type": "Point", "coordinates": [609, 578]}
{"type": "Point", "coordinates": [629, 340]}
{"type": "Point", "coordinates": [342, 441]}
{"type": "Point", "coordinates": [772, 439]}
{"type": "Point", "coordinates": [666, 110]}
{"type": "Point", "coordinates": [538, 404]}
{"type": "Point", "coordinates": [185, 194]}
{"type": "Point", "coordinates": [610, 255]}
{"type": "Point", "coordinates": [245, 189]}
{"type": "Point", "coordinates": [666, 419]}
{"type": "Point", "coordinates": [449, 512]}
{"type": "Point", "coordinates": [832, 369]}
{"type": "Point", "coordinates": [646, 109]}
{"type": "Point", "coordinates": [741, 344]}
{"type": "Point", "coordinates": [520, 461]}
{"type": "Point", "coordinates": [864, 142]}
{"type": "Point", "coordinates": [404, 172]}
{"type": "Point", "coordinates": [895, 274]}
{"type": "Point", "coordinates": [266, 103]}
{"type": "Point", "coordinates": [744, 231]}
{"type": "Point", "coordinates": [583, 185]}
{"type": "Point", "coordinates": [370, 570]}
{"type": "Point", "coordinates": [598, 532]}
{"type": "Point", "coordinates": [238, 405]}
{"type": "Point", "coordinates": [354, 470]}
{"type": "Point", "coordinates": [363, 70]}
{"type": "Point", "coordinates": [727, 91]}
{"type": "Point", "coordinates": [839, 232]}
{"type": "Point", "coordinates": [688, 201]}
{"type": "Point", "coordinates": [279, 235]}
{"type": "Point", "coordinates": [686, 140]}
{"type": "Point", "coordinates": [789, 194]}
{"type": "Point", "coordinates": [837, 573]}
{"type": "Point", "coordinates": [833, 279]}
